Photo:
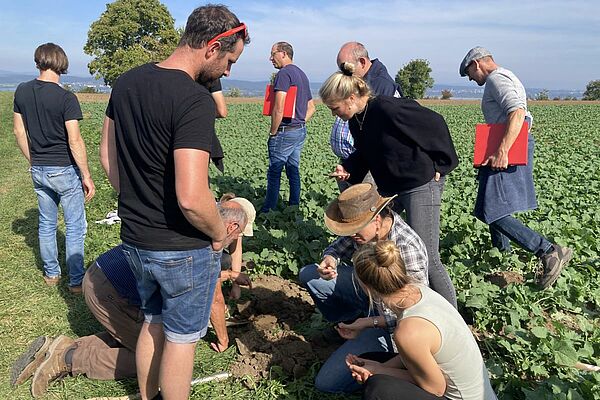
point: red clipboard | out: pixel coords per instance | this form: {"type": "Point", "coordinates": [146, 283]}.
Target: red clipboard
{"type": "Point", "coordinates": [289, 106]}
{"type": "Point", "coordinates": [487, 141]}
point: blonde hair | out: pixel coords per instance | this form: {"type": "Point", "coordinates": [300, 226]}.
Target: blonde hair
{"type": "Point", "coordinates": [342, 84]}
{"type": "Point", "coordinates": [380, 268]}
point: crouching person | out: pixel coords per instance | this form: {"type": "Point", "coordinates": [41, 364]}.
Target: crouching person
{"type": "Point", "coordinates": [111, 293]}
{"type": "Point", "coordinates": [359, 216]}
{"type": "Point", "coordinates": [437, 358]}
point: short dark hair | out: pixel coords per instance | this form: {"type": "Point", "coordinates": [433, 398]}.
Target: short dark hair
{"type": "Point", "coordinates": [51, 56]}
{"type": "Point", "coordinates": [206, 22]}
{"type": "Point", "coordinates": [285, 46]}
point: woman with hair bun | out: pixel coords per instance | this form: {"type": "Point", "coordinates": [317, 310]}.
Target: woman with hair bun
{"type": "Point", "coordinates": [408, 150]}
{"type": "Point", "coordinates": [437, 358]}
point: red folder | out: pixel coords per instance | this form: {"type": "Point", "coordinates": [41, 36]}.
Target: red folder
{"type": "Point", "coordinates": [289, 106]}
{"type": "Point", "coordinates": [487, 141]}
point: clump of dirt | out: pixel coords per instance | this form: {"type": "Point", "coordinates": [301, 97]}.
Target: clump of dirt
{"type": "Point", "coordinates": [504, 278]}
{"type": "Point", "coordinates": [278, 310]}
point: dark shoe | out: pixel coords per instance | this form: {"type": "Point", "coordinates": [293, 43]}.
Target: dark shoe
{"type": "Point", "coordinates": [75, 289]}
{"type": "Point", "coordinates": [27, 363]}
{"type": "Point", "coordinates": [552, 263]}
{"type": "Point", "coordinates": [51, 281]}
{"type": "Point", "coordinates": [54, 366]}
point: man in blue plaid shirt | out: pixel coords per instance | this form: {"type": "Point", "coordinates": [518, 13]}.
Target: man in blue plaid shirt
{"type": "Point", "coordinates": [359, 215]}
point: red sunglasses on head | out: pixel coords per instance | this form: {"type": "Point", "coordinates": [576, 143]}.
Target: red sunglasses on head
{"type": "Point", "coordinates": [231, 32]}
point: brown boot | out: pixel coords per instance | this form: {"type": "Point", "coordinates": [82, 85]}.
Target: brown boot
{"type": "Point", "coordinates": [54, 366]}
{"type": "Point", "coordinates": [28, 362]}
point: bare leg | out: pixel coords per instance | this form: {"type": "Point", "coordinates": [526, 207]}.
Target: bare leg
{"type": "Point", "coordinates": [148, 356]}
{"type": "Point", "coordinates": [176, 369]}
{"type": "Point", "coordinates": [217, 319]}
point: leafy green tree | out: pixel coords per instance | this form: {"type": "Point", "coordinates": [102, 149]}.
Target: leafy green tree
{"type": "Point", "coordinates": [415, 78]}
{"type": "Point", "coordinates": [592, 91]}
{"type": "Point", "coordinates": [543, 95]}
{"type": "Point", "coordinates": [88, 89]}
{"type": "Point", "coordinates": [129, 33]}
{"type": "Point", "coordinates": [233, 92]}
{"type": "Point", "coordinates": [447, 94]}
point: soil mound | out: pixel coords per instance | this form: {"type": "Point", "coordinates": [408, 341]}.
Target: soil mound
{"type": "Point", "coordinates": [281, 316]}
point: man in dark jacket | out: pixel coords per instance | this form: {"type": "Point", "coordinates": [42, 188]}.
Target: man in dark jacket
{"type": "Point", "coordinates": [372, 71]}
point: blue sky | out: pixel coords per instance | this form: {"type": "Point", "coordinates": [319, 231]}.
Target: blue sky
{"type": "Point", "coordinates": [548, 44]}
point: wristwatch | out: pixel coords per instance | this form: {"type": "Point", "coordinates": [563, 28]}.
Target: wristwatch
{"type": "Point", "coordinates": [375, 322]}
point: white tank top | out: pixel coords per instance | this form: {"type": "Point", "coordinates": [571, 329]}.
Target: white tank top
{"type": "Point", "coordinates": [459, 357]}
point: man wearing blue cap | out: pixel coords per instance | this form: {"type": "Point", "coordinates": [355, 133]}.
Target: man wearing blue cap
{"type": "Point", "coordinates": [506, 189]}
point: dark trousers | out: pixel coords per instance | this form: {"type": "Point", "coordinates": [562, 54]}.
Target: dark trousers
{"type": "Point", "coordinates": [385, 387]}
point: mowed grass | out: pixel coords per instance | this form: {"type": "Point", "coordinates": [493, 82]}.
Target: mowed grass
{"type": "Point", "coordinates": [529, 338]}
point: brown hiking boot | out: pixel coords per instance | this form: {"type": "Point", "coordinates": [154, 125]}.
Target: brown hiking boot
{"type": "Point", "coordinates": [552, 263]}
{"type": "Point", "coordinates": [27, 363]}
{"type": "Point", "coordinates": [54, 366]}
{"type": "Point", "coordinates": [75, 289]}
{"type": "Point", "coordinates": [51, 281]}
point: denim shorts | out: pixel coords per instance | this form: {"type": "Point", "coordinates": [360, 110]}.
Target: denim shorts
{"type": "Point", "coordinates": [176, 288]}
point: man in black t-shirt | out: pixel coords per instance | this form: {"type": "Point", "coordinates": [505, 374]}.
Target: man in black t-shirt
{"type": "Point", "coordinates": [46, 126]}
{"type": "Point", "coordinates": [156, 145]}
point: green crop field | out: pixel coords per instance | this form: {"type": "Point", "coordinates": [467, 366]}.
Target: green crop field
{"type": "Point", "coordinates": [530, 339]}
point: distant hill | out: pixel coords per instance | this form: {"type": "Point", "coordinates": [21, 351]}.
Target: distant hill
{"type": "Point", "coordinates": [10, 80]}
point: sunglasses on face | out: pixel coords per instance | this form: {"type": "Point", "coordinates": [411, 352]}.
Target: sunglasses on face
{"type": "Point", "coordinates": [231, 32]}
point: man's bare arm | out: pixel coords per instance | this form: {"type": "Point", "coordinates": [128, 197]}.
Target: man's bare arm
{"type": "Point", "coordinates": [499, 160]}
{"type": "Point", "coordinates": [310, 110]}
{"type": "Point", "coordinates": [220, 104]}
{"type": "Point", "coordinates": [21, 135]}
{"type": "Point", "coordinates": [194, 196]}
{"type": "Point", "coordinates": [277, 113]}
{"type": "Point", "coordinates": [108, 153]}
{"type": "Point", "coordinates": [77, 146]}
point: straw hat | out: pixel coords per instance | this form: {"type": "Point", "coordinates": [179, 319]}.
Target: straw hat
{"type": "Point", "coordinates": [354, 208]}
{"type": "Point", "coordinates": [250, 212]}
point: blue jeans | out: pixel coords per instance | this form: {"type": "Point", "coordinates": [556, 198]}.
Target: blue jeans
{"type": "Point", "coordinates": [509, 228]}
{"type": "Point", "coordinates": [176, 288]}
{"type": "Point", "coordinates": [334, 376]}
{"type": "Point", "coordinates": [284, 151]}
{"type": "Point", "coordinates": [422, 206]}
{"type": "Point", "coordinates": [342, 299]}
{"type": "Point", "coordinates": [339, 299]}
{"type": "Point", "coordinates": [54, 186]}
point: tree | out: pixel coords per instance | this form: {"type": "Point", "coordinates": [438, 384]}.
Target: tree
{"type": "Point", "coordinates": [415, 78]}
{"type": "Point", "coordinates": [129, 33]}
{"type": "Point", "coordinates": [88, 89]}
{"type": "Point", "coordinates": [447, 94]}
{"type": "Point", "coordinates": [543, 95]}
{"type": "Point", "coordinates": [592, 91]}
{"type": "Point", "coordinates": [233, 92]}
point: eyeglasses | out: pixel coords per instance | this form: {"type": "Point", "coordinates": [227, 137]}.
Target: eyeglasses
{"type": "Point", "coordinates": [275, 52]}
{"type": "Point", "coordinates": [231, 32]}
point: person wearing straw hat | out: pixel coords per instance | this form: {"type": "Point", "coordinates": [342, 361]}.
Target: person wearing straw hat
{"type": "Point", "coordinates": [409, 151]}
{"type": "Point", "coordinates": [359, 215]}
